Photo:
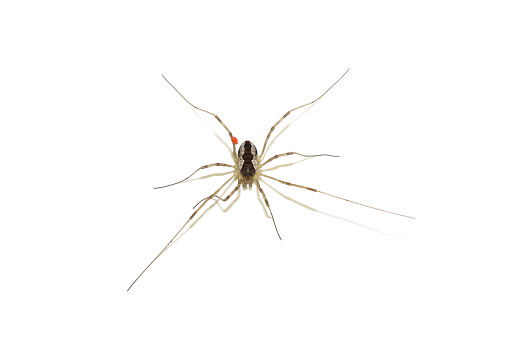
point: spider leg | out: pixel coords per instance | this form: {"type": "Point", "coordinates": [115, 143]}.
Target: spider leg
{"type": "Point", "coordinates": [294, 109]}
{"type": "Point", "coordinates": [202, 167]}
{"type": "Point", "coordinates": [216, 196]}
{"type": "Point", "coordinates": [172, 239]}
{"type": "Point", "coordinates": [268, 205]}
{"type": "Point", "coordinates": [291, 153]}
{"type": "Point", "coordinates": [315, 190]}
{"type": "Point", "coordinates": [216, 117]}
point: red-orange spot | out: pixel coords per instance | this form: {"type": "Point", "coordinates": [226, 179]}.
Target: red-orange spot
{"type": "Point", "coordinates": [234, 140]}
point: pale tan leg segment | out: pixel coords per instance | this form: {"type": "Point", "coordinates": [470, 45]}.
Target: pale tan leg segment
{"type": "Point", "coordinates": [202, 167]}
{"type": "Point", "coordinates": [268, 205]}
{"type": "Point", "coordinates": [294, 109]}
{"type": "Point", "coordinates": [216, 117]}
{"type": "Point", "coordinates": [291, 153]}
{"type": "Point", "coordinates": [171, 241]}
{"type": "Point", "coordinates": [226, 199]}
{"type": "Point", "coordinates": [315, 190]}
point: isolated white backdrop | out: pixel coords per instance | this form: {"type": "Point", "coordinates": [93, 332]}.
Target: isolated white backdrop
{"type": "Point", "coordinates": [88, 127]}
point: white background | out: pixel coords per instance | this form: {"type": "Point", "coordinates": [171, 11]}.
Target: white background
{"type": "Point", "coordinates": [88, 127]}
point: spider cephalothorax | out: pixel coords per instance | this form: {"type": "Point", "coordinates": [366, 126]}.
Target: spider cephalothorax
{"type": "Point", "coordinates": [247, 163]}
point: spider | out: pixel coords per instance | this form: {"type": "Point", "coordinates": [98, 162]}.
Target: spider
{"type": "Point", "coordinates": [248, 170]}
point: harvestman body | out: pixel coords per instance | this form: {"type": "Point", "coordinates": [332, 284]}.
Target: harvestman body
{"type": "Point", "coordinates": [247, 171]}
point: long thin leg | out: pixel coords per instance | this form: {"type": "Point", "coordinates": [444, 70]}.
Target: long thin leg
{"type": "Point", "coordinates": [294, 109]}
{"type": "Point", "coordinates": [315, 190]}
{"type": "Point", "coordinates": [171, 241]}
{"type": "Point", "coordinates": [291, 153]}
{"type": "Point", "coordinates": [216, 196]}
{"type": "Point", "coordinates": [202, 167]}
{"type": "Point", "coordinates": [268, 205]}
{"type": "Point", "coordinates": [233, 139]}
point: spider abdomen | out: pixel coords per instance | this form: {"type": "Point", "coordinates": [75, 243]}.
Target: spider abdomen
{"type": "Point", "coordinates": [247, 159]}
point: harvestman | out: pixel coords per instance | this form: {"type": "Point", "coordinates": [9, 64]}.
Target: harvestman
{"type": "Point", "coordinates": [247, 171]}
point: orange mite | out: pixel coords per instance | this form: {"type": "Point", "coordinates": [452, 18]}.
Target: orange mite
{"type": "Point", "coordinates": [234, 140]}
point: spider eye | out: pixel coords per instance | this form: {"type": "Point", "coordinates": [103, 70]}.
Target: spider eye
{"type": "Point", "coordinates": [234, 140]}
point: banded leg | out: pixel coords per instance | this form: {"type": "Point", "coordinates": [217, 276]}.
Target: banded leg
{"type": "Point", "coordinates": [202, 167]}
{"type": "Point", "coordinates": [233, 139]}
{"type": "Point", "coordinates": [172, 239]}
{"type": "Point", "coordinates": [294, 109]}
{"type": "Point", "coordinates": [268, 205]}
{"type": "Point", "coordinates": [315, 190]}
{"type": "Point", "coordinates": [216, 196]}
{"type": "Point", "coordinates": [291, 153]}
